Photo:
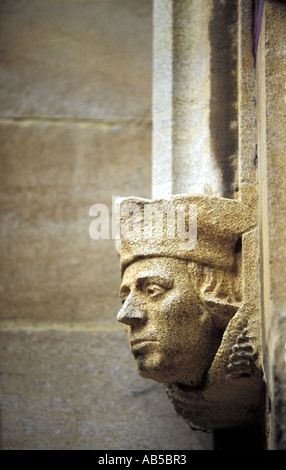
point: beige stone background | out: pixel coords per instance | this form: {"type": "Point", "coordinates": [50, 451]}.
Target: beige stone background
{"type": "Point", "coordinates": [75, 123]}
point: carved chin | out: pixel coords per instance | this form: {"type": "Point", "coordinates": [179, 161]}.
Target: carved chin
{"type": "Point", "coordinates": [150, 366]}
{"type": "Point", "coordinates": [154, 368]}
{"type": "Point", "coordinates": [149, 371]}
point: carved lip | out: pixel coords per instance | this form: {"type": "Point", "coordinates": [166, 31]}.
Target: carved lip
{"type": "Point", "coordinates": [143, 340]}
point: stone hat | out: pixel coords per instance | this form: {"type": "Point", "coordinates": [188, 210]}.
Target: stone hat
{"type": "Point", "coordinates": [200, 228]}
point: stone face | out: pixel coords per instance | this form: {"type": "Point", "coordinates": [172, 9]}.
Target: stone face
{"type": "Point", "coordinates": [50, 176]}
{"type": "Point", "coordinates": [75, 59]}
{"type": "Point", "coordinates": [64, 389]}
{"type": "Point", "coordinates": [166, 330]}
{"type": "Point", "coordinates": [192, 314]}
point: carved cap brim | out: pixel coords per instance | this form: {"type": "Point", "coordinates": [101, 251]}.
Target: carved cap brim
{"type": "Point", "coordinates": [215, 228]}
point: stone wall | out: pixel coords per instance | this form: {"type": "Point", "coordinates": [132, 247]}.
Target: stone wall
{"type": "Point", "coordinates": [75, 124]}
{"type": "Point", "coordinates": [271, 97]}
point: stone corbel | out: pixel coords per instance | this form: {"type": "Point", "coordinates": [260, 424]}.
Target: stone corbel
{"type": "Point", "coordinates": [191, 307]}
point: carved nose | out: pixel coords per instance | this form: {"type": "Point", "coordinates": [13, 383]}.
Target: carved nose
{"type": "Point", "coordinates": [130, 312]}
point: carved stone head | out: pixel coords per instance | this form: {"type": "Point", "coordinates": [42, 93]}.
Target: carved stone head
{"type": "Point", "coordinates": [167, 329]}
{"type": "Point", "coordinates": [180, 298]}
{"type": "Point", "coordinates": [172, 332]}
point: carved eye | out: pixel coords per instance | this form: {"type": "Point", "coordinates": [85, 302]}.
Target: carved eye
{"type": "Point", "coordinates": [123, 294]}
{"type": "Point", "coordinates": [153, 290]}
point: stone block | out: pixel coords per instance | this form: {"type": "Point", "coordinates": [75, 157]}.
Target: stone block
{"type": "Point", "coordinates": [271, 64]}
{"type": "Point", "coordinates": [247, 107]}
{"type": "Point", "coordinates": [74, 58]}
{"type": "Point", "coordinates": [50, 177]}
{"type": "Point", "coordinates": [76, 390]}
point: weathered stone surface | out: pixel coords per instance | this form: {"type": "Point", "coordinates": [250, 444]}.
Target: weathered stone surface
{"type": "Point", "coordinates": [191, 312]}
{"type": "Point", "coordinates": [211, 231]}
{"type": "Point", "coordinates": [76, 58]}
{"type": "Point", "coordinates": [76, 390]}
{"type": "Point", "coordinates": [247, 118]}
{"type": "Point", "coordinates": [195, 120]}
{"type": "Point", "coordinates": [63, 64]}
{"type": "Point", "coordinates": [50, 176]}
{"type": "Point", "coordinates": [181, 83]}
{"type": "Point", "coordinates": [271, 157]}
